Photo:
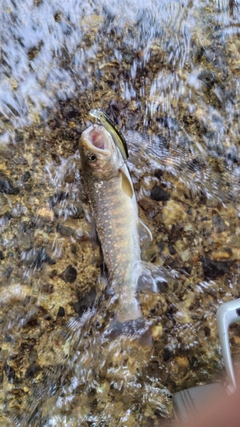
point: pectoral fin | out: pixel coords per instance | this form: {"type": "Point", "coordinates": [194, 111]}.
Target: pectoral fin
{"type": "Point", "coordinates": [144, 232]}
{"type": "Point", "coordinates": [127, 186]}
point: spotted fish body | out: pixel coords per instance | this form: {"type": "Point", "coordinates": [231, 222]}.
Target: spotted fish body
{"type": "Point", "coordinates": [114, 209]}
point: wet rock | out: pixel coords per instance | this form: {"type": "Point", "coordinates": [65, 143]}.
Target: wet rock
{"type": "Point", "coordinates": [208, 77]}
{"type": "Point", "coordinates": [10, 372]}
{"type": "Point", "coordinates": [74, 248]}
{"type": "Point", "coordinates": [65, 231]}
{"type": "Point", "coordinates": [41, 237]}
{"type": "Point", "coordinates": [154, 370]}
{"type": "Point", "coordinates": [36, 257]}
{"type": "Point", "coordinates": [32, 370]}
{"type": "Point", "coordinates": [158, 194]}
{"type": "Point", "coordinates": [212, 202]}
{"type": "Point", "coordinates": [8, 271]}
{"type": "Point", "coordinates": [218, 223]}
{"type": "Point", "coordinates": [162, 286]}
{"type": "Point", "coordinates": [232, 156]}
{"type": "Point", "coordinates": [53, 273]}
{"type": "Point", "coordinates": [213, 269]}
{"type": "Point", "coordinates": [195, 165]}
{"type": "Point", "coordinates": [183, 316]}
{"type": "Point", "coordinates": [172, 250]}
{"type": "Point", "coordinates": [167, 354]}
{"type": "Point", "coordinates": [46, 288]}
{"type": "Point", "coordinates": [26, 176]}
{"type": "Point", "coordinates": [70, 274]}
{"type": "Point", "coordinates": [187, 269]}
{"type": "Point", "coordinates": [61, 312]}
{"type": "Point", "coordinates": [56, 198]}
{"type": "Point", "coordinates": [181, 362]}
{"type": "Point", "coordinates": [85, 301]}
{"type": "Point", "coordinates": [172, 214]}
{"type": "Point", "coordinates": [236, 254]}
{"type": "Point", "coordinates": [10, 254]}
{"type": "Point", "coordinates": [224, 253]}
{"type": "Point", "coordinates": [149, 207]}
{"type": "Point", "coordinates": [41, 256]}
{"type": "Point", "coordinates": [216, 119]}
{"type": "Point", "coordinates": [18, 135]}
{"type": "Point", "coordinates": [91, 23]}
{"type": "Point", "coordinates": [26, 226]}
{"type": "Point", "coordinates": [207, 331]}
{"type": "Point", "coordinates": [20, 160]}
{"type": "Point", "coordinates": [169, 122]}
{"type": "Point", "coordinates": [157, 331]}
{"type": "Point", "coordinates": [69, 177]}
{"type": "Point", "coordinates": [45, 214]}
{"type": "Point", "coordinates": [7, 188]}
{"type": "Point", "coordinates": [235, 340]}
{"type": "Point", "coordinates": [185, 255]}
{"type": "Point", "coordinates": [161, 142]}
{"type": "Point", "coordinates": [7, 216]}
{"type": "Point", "coordinates": [161, 246]}
{"type": "Point", "coordinates": [70, 112]}
{"type": "Point", "coordinates": [73, 210]}
{"type": "Point", "coordinates": [176, 233]}
{"type": "Point", "coordinates": [158, 173]}
{"type": "Point", "coordinates": [152, 303]}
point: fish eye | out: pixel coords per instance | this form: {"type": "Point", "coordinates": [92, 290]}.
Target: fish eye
{"type": "Point", "coordinates": [92, 158]}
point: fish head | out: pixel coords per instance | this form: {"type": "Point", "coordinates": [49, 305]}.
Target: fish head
{"type": "Point", "coordinates": [99, 155]}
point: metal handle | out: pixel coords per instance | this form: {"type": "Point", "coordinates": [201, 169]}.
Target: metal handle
{"type": "Point", "coordinates": [228, 313]}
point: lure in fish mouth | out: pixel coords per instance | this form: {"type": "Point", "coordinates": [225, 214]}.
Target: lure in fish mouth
{"type": "Point", "coordinates": [118, 138]}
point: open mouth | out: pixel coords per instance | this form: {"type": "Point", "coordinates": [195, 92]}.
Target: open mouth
{"type": "Point", "coordinates": [97, 138]}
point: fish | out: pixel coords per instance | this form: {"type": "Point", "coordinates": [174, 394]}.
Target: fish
{"type": "Point", "coordinates": [109, 188]}
{"type": "Point", "coordinates": [108, 124]}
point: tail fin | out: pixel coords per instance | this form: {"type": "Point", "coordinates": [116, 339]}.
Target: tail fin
{"type": "Point", "coordinates": [136, 330]}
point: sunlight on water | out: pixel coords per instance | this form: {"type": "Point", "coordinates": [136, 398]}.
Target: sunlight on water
{"type": "Point", "coordinates": [34, 46]}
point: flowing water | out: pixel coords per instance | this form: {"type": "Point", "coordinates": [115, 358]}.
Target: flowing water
{"type": "Point", "coordinates": [168, 74]}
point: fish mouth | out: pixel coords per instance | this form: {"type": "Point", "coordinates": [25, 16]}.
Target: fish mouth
{"type": "Point", "coordinates": [96, 137]}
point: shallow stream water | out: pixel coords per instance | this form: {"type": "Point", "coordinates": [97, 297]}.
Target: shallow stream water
{"type": "Point", "coordinates": [168, 74]}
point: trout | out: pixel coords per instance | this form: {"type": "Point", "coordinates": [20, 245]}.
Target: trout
{"type": "Point", "coordinates": [114, 208]}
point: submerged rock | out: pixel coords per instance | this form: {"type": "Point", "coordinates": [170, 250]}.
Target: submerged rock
{"type": "Point", "coordinates": [70, 274]}
{"type": "Point", "coordinates": [213, 269]}
{"type": "Point", "coordinates": [7, 188]}
{"type": "Point", "coordinates": [85, 301]}
{"type": "Point", "coordinates": [158, 194]}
